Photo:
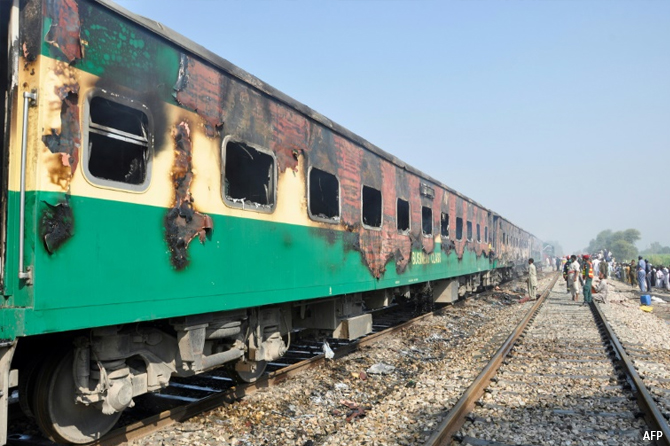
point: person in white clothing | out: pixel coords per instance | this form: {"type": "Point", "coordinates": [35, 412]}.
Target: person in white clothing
{"type": "Point", "coordinates": [574, 272]}
{"type": "Point", "coordinates": [600, 290]}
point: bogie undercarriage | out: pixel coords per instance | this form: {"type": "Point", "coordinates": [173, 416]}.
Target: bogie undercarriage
{"type": "Point", "coordinates": [76, 386]}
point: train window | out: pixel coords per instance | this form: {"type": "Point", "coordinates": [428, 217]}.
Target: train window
{"type": "Point", "coordinates": [248, 176]}
{"type": "Point", "coordinates": [469, 231]}
{"type": "Point", "coordinates": [444, 225]}
{"type": "Point", "coordinates": [459, 228]}
{"type": "Point", "coordinates": [486, 234]}
{"type": "Point", "coordinates": [426, 221]}
{"type": "Point", "coordinates": [479, 236]}
{"type": "Point", "coordinates": [402, 215]}
{"type": "Point", "coordinates": [118, 144]}
{"type": "Point", "coordinates": [324, 195]}
{"type": "Point", "coordinates": [371, 210]}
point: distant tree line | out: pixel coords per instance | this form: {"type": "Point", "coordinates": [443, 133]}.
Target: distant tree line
{"type": "Point", "coordinates": [622, 245]}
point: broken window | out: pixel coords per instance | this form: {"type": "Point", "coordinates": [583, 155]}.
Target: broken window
{"type": "Point", "coordinates": [479, 237]}
{"type": "Point", "coordinates": [486, 234]}
{"type": "Point", "coordinates": [402, 213]}
{"type": "Point", "coordinates": [249, 177]}
{"type": "Point", "coordinates": [324, 195]}
{"type": "Point", "coordinates": [372, 207]}
{"type": "Point", "coordinates": [118, 144]}
{"type": "Point", "coordinates": [459, 228]}
{"type": "Point", "coordinates": [426, 221]}
{"type": "Point", "coordinates": [444, 225]}
{"type": "Point", "coordinates": [470, 231]}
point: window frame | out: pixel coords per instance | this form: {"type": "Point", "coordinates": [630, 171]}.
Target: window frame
{"type": "Point", "coordinates": [85, 155]}
{"type": "Point", "coordinates": [468, 231]}
{"type": "Point", "coordinates": [432, 226]}
{"type": "Point", "coordinates": [335, 220]}
{"type": "Point", "coordinates": [459, 220]}
{"type": "Point", "coordinates": [409, 216]}
{"type": "Point", "coordinates": [479, 233]}
{"type": "Point", "coordinates": [381, 221]}
{"type": "Point", "coordinates": [264, 209]}
{"type": "Point", "coordinates": [443, 233]}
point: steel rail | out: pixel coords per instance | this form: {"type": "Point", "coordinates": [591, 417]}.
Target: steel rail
{"type": "Point", "coordinates": [164, 419]}
{"type": "Point", "coordinates": [443, 436]}
{"type": "Point", "coordinates": [652, 415]}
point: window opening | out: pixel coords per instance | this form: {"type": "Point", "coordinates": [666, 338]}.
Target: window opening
{"type": "Point", "coordinates": [118, 142]}
{"type": "Point", "coordinates": [372, 207]}
{"type": "Point", "coordinates": [486, 234]}
{"type": "Point", "coordinates": [249, 176]}
{"type": "Point", "coordinates": [470, 230]}
{"type": "Point", "coordinates": [426, 221]}
{"type": "Point", "coordinates": [479, 236]}
{"type": "Point", "coordinates": [324, 195]}
{"type": "Point", "coordinates": [444, 225]}
{"type": "Point", "coordinates": [402, 213]}
{"type": "Point", "coordinates": [459, 228]}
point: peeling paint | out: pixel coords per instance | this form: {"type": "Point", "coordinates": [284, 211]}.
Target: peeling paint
{"type": "Point", "coordinates": [64, 33]}
{"type": "Point", "coordinates": [199, 88]}
{"type": "Point", "coordinates": [62, 129]}
{"type": "Point", "coordinates": [56, 225]}
{"type": "Point", "coordinates": [182, 222]}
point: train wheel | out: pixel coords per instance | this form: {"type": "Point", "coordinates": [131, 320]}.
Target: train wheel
{"type": "Point", "coordinates": [27, 379]}
{"type": "Point", "coordinates": [250, 371]}
{"type": "Point", "coordinates": [56, 412]}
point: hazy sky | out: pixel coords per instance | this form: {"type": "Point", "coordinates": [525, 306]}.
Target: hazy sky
{"type": "Point", "coordinates": [555, 114]}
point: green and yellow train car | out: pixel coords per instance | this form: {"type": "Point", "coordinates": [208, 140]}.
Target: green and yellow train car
{"type": "Point", "coordinates": [164, 212]}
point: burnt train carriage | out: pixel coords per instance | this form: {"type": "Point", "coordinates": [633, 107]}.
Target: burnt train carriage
{"type": "Point", "coordinates": [164, 212]}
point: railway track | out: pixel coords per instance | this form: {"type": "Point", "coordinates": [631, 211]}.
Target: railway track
{"type": "Point", "coordinates": [187, 398]}
{"type": "Point", "coordinates": [562, 377]}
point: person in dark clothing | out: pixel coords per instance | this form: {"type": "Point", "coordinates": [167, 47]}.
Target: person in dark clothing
{"type": "Point", "coordinates": [648, 274]}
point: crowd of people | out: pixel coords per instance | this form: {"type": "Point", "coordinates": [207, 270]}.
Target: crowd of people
{"type": "Point", "coordinates": [643, 274]}
{"type": "Point", "coordinates": [579, 272]}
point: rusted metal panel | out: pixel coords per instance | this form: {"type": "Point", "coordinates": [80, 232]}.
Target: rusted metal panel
{"type": "Point", "coordinates": [199, 87]}
{"type": "Point", "coordinates": [182, 222]}
{"type": "Point", "coordinates": [64, 33]}
{"type": "Point", "coordinates": [293, 136]}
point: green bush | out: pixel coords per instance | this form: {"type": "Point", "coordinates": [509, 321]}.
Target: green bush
{"type": "Point", "coordinates": [659, 259]}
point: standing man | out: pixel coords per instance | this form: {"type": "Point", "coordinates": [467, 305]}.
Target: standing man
{"type": "Point", "coordinates": [587, 275]}
{"type": "Point", "coordinates": [573, 277]}
{"type": "Point", "coordinates": [642, 274]}
{"type": "Point", "coordinates": [626, 273]}
{"type": "Point", "coordinates": [566, 268]}
{"type": "Point", "coordinates": [604, 267]}
{"type": "Point", "coordinates": [532, 279]}
{"type": "Point", "coordinates": [633, 273]}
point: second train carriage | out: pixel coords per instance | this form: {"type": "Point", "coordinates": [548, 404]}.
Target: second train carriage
{"type": "Point", "coordinates": [164, 212]}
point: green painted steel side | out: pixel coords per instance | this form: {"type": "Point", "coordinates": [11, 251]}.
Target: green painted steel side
{"type": "Point", "coordinates": [116, 269]}
{"type": "Point", "coordinates": [122, 52]}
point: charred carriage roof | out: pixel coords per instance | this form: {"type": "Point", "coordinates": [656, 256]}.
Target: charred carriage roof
{"type": "Point", "coordinates": [233, 70]}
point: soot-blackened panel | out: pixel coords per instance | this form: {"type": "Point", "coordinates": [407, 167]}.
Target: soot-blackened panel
{"type": "Point", "coordinates": [182, 222]}
{"type": "Point", "coordinates": [56, 225]}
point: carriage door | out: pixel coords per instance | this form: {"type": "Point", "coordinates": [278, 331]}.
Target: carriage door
{"type": "Point", "coordinates": [5, 77]}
